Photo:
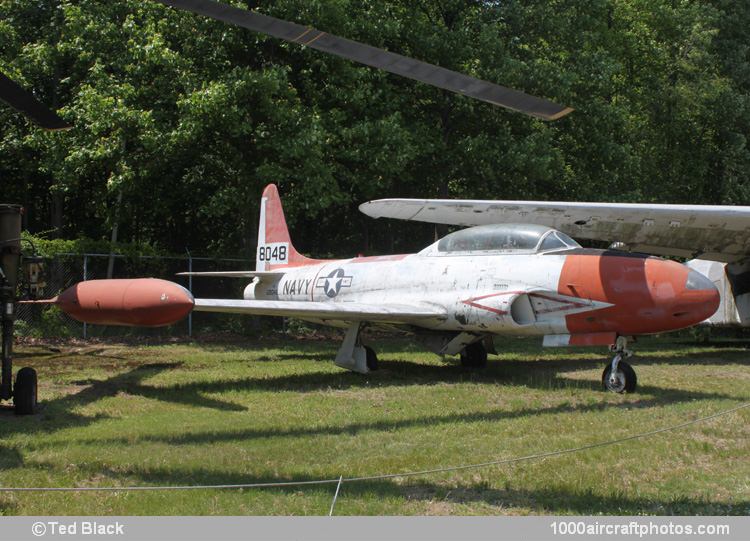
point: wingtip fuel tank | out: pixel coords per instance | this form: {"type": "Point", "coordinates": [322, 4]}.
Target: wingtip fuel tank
{"type": "Point", "coordinates": [141, 302]}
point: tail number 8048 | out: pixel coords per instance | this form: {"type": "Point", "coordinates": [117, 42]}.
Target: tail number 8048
{"type": "Point", "coordinates": [274, 253]}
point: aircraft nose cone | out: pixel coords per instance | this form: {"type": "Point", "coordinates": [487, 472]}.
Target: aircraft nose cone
{"type": "Point", "coordinates": [698, 300]}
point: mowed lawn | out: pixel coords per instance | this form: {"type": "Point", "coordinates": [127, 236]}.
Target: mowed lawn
{"type": "Point", "coordinates": [280, 410]}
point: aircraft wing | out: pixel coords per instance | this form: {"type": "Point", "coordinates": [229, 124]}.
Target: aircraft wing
{"type": "Point", "coordinates": [338, 311]}
{"type": "Point", "coordinates": [716, 233]}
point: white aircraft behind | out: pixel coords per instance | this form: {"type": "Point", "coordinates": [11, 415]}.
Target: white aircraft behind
{"type": "Point", "coordinates": [494, 279]}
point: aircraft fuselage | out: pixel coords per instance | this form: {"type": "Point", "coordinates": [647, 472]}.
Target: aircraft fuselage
{"type": "Point", "coordinates": [584, 293]}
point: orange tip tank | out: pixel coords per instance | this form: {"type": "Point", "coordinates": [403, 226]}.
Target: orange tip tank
{"type": "Point", "coordinates": [137, 302]}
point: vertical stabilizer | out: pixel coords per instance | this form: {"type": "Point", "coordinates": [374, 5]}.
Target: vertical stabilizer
{"type": "Point", "coordinates": [275, 249]}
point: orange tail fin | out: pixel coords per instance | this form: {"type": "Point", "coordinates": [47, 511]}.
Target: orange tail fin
{"type": "Point", "coordinates": [275, 249]}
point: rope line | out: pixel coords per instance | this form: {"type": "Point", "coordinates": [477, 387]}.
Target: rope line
{"type": "Point", "coordinates": [340, 480]}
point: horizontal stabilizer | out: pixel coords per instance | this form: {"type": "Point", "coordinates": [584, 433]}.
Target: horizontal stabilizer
{"type": "Point", "coordinates": [338, 311]}
{"type": "Point", "coordinates": [263, 275]}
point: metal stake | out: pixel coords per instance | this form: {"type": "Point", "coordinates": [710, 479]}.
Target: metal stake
{"type": "Point", "coordinates": [335, 496]}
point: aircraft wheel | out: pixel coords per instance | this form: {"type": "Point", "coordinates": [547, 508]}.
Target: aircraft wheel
{"type": "Point", "coordinates": [624, 381]}
{"type": "Point", "coordinates": [25, 392]}
{"type": "Point", "coordinates": [474, 356]}
{"type": "Point", "coordinates": [372, 358]}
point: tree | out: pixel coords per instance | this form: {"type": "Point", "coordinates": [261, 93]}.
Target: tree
{"type": "Point", "coordinates": [181, 120]}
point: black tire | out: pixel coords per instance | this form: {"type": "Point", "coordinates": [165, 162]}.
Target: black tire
{"type": "Point", "coordinates": [627, 380]}
{"type": "Point", "coordinates": [25, 392]}
{"type": "Point", "coordinates": [372, 358]}
{"type": "Point", "coordinates": [474, 356]}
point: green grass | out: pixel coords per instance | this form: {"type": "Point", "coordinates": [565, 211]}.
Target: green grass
{"type": "Point", "coordinates": [177, 414]}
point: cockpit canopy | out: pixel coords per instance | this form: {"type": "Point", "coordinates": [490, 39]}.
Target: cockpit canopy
{"type": "Point", "coordinates": [506, 238]}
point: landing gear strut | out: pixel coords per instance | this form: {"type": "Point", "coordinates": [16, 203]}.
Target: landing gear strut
{"type": "Point", "coordinates": [354, 355]}
{"type": "Point", "coordinates": [619, 376]}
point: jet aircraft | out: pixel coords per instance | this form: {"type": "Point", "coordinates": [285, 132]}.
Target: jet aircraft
{"type": "Point", "coordinates": [454, 295]}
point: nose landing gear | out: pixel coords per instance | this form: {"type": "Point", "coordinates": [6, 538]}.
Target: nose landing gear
{"type": "Point", "coordinates": [619, 376]}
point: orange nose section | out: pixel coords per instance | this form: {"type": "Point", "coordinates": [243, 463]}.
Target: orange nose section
{"type": "Point", "coordinates": [698, 300]}
{"type": "Point", "coordinates": [647, 294]}
{"type": "Point", "coordinates": [143, 302]}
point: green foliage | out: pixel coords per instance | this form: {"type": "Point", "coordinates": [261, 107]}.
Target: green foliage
{"type": "Point", "coordinates": [54, 247]}
{"type": "Point", "coordinates": [52, 324]}
{"type": "Point", "coordinates": [180, 121]}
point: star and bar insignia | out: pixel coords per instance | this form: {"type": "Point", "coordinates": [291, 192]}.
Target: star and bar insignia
{"type": "Point", "coordinates": [333, 283]}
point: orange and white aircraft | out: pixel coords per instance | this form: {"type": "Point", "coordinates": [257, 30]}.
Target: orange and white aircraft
{"type": "Point", "coordinates": [493, 279]}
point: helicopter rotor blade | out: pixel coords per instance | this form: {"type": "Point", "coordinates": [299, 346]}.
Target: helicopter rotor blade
{"type": "Point", "coordinates": [22, 100]}
{"type": "Point", "coordinates": [377, 58]}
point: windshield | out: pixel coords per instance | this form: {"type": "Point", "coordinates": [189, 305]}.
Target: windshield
{"type": "Point", "coordinates": [495, 237]}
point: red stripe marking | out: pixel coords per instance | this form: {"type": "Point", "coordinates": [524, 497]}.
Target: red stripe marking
{"type": "Point", "coordinates": [570, 304]}
{"type": "Point", "coordinates": [471, 302]}
{"type": "Point", "coordinates": [488, 308]}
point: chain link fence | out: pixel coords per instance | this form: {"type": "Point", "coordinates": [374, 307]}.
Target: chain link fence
{"type": "Point", "coordinates": [65, 270]}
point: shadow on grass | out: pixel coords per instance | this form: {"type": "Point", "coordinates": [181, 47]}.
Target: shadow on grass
{"type": "Point", "coordinates": [548, 500]}
{"type": "Point", "coordinates": [389, 425]}
{"type": "Point", "coordinates": [546, 358]}
{"type": "Point", "coordinates": [552, 500]}
{"type": "Point", "coordinates": [57, 414]}
{"type": "Point", "coordinates": [322, 356]}
{"type": "Point", "coordinates": [44, 356]}
{"type": "Point", "coordinates": [10, 458]}
{"type": "Point", "coordinates": [7, 507]}
{"type": "Point", "coordinates": [542, 374]}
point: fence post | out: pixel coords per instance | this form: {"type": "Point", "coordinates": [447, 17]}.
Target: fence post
{"type": "Point", "coordinates": [85, 277]}
{"type": "Point", "coordinates": [190, 289]}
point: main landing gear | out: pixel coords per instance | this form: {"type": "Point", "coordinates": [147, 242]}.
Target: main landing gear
{"type": "Point", "coordinates": [354, 355]}
{"type": "Point", "coordinates": [371, 358]}
{"type": "Point", "coordinates": [619, 376]}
